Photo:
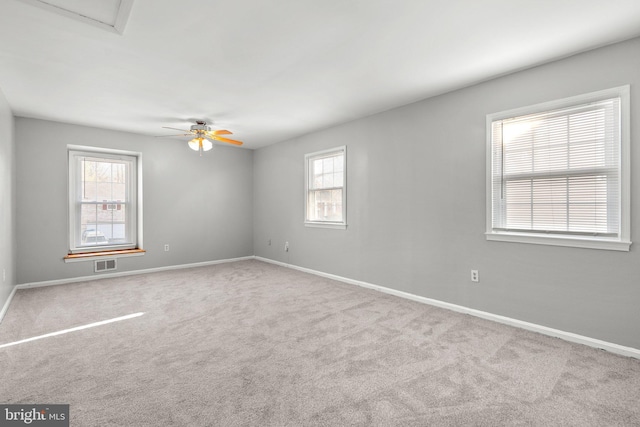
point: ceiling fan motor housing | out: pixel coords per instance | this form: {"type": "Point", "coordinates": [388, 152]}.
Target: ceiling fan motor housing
{"type": "Point", "coordinates": [200, 127]}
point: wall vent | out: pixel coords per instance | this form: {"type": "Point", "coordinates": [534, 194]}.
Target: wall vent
{"type": "Point", "coordinates": [105, 265]}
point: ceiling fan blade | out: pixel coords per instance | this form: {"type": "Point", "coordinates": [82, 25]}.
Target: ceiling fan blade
{"type": "Point", "coordinates": [227, 140]}
{"type": "Point", "coordinates": [181, 130]}
{"type": "Point", "coordinates": [180, 134]}
{"type": "Point", "coordinates": [219, 132]}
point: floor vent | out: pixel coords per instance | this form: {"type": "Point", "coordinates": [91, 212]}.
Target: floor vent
{"type": "Point", "coordinates": [105, 265]}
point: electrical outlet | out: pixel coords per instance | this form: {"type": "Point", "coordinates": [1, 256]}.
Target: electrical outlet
{"type": "Point", "coordinates": [286, 246]}
{"type": "Point", "coordinates": [269, 242]}
{"type": "Point", "coordinates": [475, 277]}
{"type": "Point", "coordinates": [166, 247]}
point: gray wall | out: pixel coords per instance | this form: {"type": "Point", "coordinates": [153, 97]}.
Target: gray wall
{"type": "Point", "coordinates": [416, 207]}
{"type": "Point", "coordinates": [7, 201]}
{"type": "Point", "coordinates": [200, 206]}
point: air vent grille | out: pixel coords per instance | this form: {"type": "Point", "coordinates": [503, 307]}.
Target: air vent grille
{"type": "Point", "coordinates": [105, 265]}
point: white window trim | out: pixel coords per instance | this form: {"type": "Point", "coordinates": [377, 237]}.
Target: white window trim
{"type": "Point", "coordinates": [342, 225]}
{"type": "Point", "coordinates": [623, 242]}
{"type": "Point", "coordinates": [138, 199]}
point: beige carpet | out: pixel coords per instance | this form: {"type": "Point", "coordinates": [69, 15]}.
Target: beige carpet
{"type": "Point", "coordinates": [250, 343]}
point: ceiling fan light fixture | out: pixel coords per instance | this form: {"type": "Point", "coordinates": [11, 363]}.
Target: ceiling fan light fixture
{"type": "Point", "coordinates": [206, 144]}
{"type": "Point", "coordinates": [196, 143]}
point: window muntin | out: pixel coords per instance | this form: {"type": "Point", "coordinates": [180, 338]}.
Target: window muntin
{"type": "Point", "coordinates": [556, 171]}
{"type": "Point", "coordinates": [325, 188]}
{"type": "Point", "coordinates": [102, 201]}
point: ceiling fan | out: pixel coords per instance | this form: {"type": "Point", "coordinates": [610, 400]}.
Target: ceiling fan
{"type": "Point", "coordinates": [203, 136]}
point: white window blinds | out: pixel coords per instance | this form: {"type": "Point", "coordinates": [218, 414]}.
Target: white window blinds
{"type": "Point", "coordinates": [558, 172]}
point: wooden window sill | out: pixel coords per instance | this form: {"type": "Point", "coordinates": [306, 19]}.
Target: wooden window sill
{"type": "Point", "coordinates": [88, 256]}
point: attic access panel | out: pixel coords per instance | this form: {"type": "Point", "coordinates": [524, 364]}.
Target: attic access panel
{"type": "Point", "coordinates": [111, 15]}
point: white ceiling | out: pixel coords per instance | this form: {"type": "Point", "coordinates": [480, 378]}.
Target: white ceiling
{"type": "Point", "coordinates": [270, 70]}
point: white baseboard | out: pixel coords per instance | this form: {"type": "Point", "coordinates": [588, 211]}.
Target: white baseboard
{"type": "Point", "coordinates": [5, 307]}
{"type": "Point", "coordinates": [127, 273]}
{"type": "Point", "coordinates": [567, 336]}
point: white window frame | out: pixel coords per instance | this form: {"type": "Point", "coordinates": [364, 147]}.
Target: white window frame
{"type": "Point", "coordinates": [622, 241]}
{"type": "Point", "coordinates": [308, 158]}
{"type": "Point", "coordinates": [135, 198]}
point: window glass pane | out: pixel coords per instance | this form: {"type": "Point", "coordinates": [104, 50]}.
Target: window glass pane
{"type": "Point", "coordinates": [325, 205]}
{"type": "Point", "coordinates": [327, 181]}
{"type": "Point", "coordinates": [517, 160]}
{"type": "Point", "coordinates": [327, 165]}
{"type": "Point", "coordinates": [549, 143]}
{"type": "Point", "coordinates": [119, 192]}
{"type": "Point", "coordinates": [588, 210]}
{"type": "Point", "coordinates": [103, 191]}
{"type": "Point", "coordinates": [317, 167]}
{"type": "Point", "coordinates": [518, 208]}
{"type": "Point", "coordinates": [119, 173]}
{"type": "Point", "coordinates": [549, 204]}
{"type": "Point", "coordinates": [103, 224]}
{"type": "Point", "coordinates": [104, 172]}
{"type": "Point", "coordinates": [88, 216]}
{"type": "Point", "coordinates": [338, 179]}
{"type": "Point", "coordinates": [89, 169]}
{"type": "Point", "coordinates": [334, 211]}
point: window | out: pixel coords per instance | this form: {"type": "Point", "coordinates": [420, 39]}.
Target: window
{"type": "Point", "coordinates": [558, 173]}
{"type": "Point", "coordinates": [325, 188]}
{"type": "Point", "coordinates": [103, 200]}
